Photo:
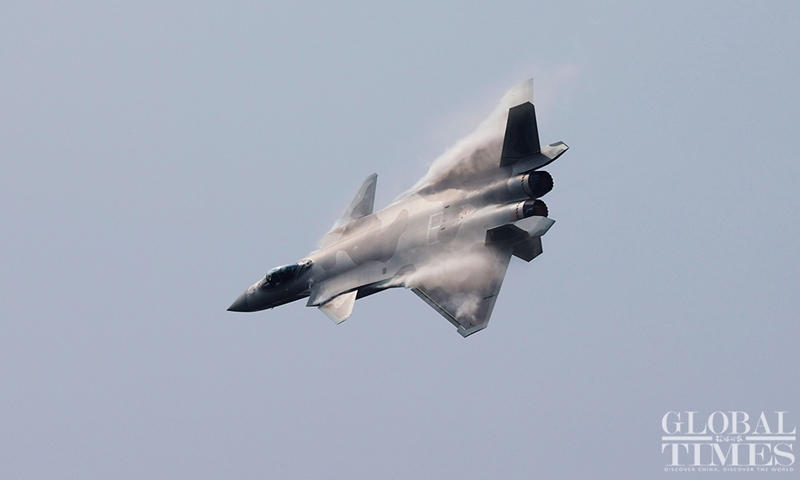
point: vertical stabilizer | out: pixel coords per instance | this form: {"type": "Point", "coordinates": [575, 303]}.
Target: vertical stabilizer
{"type": "Point", "coordinates": [521, 141]}
{"type": "Point", "coordinates": [362, 204]}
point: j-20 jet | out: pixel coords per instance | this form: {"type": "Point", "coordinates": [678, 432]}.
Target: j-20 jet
{"type": "Point", "coordinates": [449, 239]}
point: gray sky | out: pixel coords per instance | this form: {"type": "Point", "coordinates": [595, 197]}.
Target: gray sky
{"type": "Point", "coordinates": [157, 158]}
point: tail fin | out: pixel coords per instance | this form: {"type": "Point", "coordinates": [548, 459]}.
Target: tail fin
{"type": "Point", "coordinates": [521, 149]}
{"type": "Point", "coordinates": [522, 135]}
{"type": "Point", "coordinates": [362, 204]}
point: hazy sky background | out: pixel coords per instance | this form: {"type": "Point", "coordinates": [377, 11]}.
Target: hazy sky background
{"type": "Point", "coordinates": [156, 158]}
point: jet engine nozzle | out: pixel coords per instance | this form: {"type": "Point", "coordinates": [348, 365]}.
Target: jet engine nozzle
{"type": "Point", "coordinates": [534, 208]}
{"type": "Point", "coordinates": [530, 185]}
{"type": "Point", "coordinates": [537, 184]}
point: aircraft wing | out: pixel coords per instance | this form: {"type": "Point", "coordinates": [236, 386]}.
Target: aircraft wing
{"type": "Point", "coordinates": [463, 286]}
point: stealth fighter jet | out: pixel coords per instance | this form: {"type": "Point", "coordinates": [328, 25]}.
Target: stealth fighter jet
{"type": "Point", "coordinates": [449, 239]}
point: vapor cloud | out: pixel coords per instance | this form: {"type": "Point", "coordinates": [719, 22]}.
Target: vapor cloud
{"type": "Point", "coordinates": [476, 152]}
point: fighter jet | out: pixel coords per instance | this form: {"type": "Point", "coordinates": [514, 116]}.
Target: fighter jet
{"type": "Point", "coordinates": [449, 239]}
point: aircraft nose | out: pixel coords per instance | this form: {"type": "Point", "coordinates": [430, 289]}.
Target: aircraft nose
{"type": "Point", "coordinates": [240, 304]}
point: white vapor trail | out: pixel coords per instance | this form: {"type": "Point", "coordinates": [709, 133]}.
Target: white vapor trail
{"type": "Point", "coordinates": [480, 149]}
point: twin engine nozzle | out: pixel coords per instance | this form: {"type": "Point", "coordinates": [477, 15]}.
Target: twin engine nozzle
{"type": "Point", "coordinates": [531, 185]}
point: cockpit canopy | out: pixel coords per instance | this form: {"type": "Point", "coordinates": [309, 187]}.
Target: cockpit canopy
{"type": "Point", "coordinates": [282, 275]}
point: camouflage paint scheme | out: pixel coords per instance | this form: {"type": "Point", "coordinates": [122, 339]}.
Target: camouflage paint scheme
{"type": "Point", "coordinates": [449, 239]}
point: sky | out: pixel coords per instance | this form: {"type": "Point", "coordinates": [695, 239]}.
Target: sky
{"type": "Point", "coordinates": [157, 158]}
